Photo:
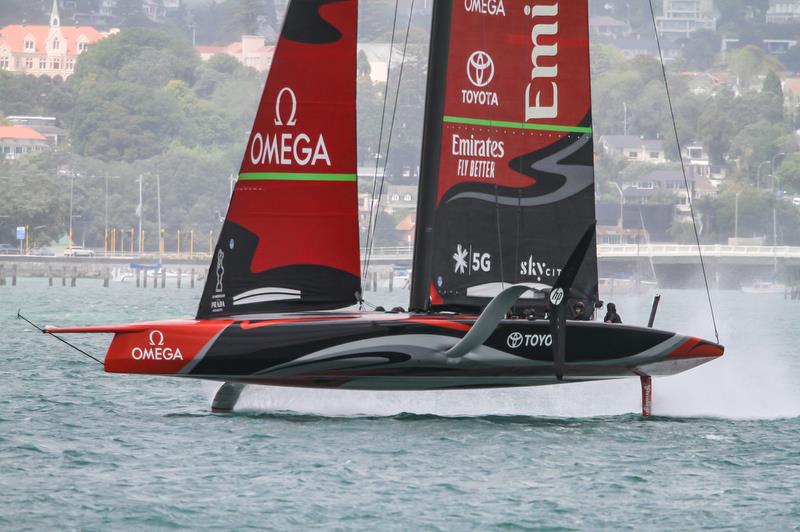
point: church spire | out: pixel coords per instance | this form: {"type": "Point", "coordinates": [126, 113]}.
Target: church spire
{"type": "Point", "coordinates": [55, 19]}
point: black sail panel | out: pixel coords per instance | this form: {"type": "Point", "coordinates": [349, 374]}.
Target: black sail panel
{"type": "Point", "coordinates": [507, 184]}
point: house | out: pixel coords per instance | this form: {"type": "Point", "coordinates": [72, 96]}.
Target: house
{"type": "Point", "coordinates": [402, 197]}
{"type": "Point", "coordinates": [681, 18]}
{"type": "Point", "coordinates": [634, 149]}
{"type": "Point", "coordinates": [635, 46]}
{"type": "Point", "coordinates": [159, 10]}
{"type": "Point", "coordinates": [606, 26]}
{"type": "Point", "coordinates": [16, 141]}
{"type": "Point", "coordinates": [791, 93]}
{"type": "Point", "coordinates": [406, 228]}
{"type": "Point", "coordinates": [779, 46]}
{"type": "Point", "coordinates": [251, 51]}
{"type": "Point", "coordinates": [46, 50]}
{"type": "Point", "coordinates": [654, 187]}
{"type": "Point", "coordinates": [783, 11]}
{"type": "Point", "coordinates": [46, 125]}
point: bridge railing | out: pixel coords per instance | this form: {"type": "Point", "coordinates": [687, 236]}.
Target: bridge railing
{"type": "Point", "coordinates": [640, 250]}
{"type": "Point", "coordinates": [687, 250]}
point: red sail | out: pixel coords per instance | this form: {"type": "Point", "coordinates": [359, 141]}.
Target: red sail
{"type": "Point", "coordinates": [290, 239]}
{"type": "Point", "coordinates": [507, 186]}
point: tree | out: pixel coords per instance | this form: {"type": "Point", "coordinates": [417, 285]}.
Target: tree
{"type": "Point", "coordinates": [127, 55]}
{"type": "Point", "coordinates": [788, 174]}
{"type": "Point", "coordinates": [701, 49]}
{"type": "Point", "coordinates": [749, 62]}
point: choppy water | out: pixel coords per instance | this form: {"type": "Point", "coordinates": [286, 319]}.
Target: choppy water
{"type": "Point", "coordinates": [80, 449]}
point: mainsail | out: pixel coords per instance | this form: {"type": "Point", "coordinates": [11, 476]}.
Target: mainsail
{"type": "Point", "coordinates": [507, 177]}
{"type": "Point", "coordinates": [290, 238]}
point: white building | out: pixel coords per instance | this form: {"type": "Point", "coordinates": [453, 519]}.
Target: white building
{"type": "Point", "coordinates": [683, 17]}
{"type": "Point", "coordinates": [783, 11]}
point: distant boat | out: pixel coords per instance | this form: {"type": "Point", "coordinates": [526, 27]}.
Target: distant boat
{"type": "Point", "coordinates": [764, 287]}
{"type": "Point", "coordinates": [505, 245]}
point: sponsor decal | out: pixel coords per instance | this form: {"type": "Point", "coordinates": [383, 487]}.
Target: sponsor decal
{"type": "Point", "coordinates": [288, 148]}
{"type": "Point", "coordinates": [480, 72]}
{"type": "Point", "coordinates": [485, 7]}
{"type": "Point", "coordinates": [475, 155]}
{"type": "Point", "coordinates": [155, 349]}
{"type": "Point", "coordinates": [541, 94]}
{"type": "Point", "coordinates": [516, 340]}
{"type": "Point", "coordinates": [539, 270]}
{"type": "Point", "coordinates": [468, 261]}
{"type": "Point", "coordinates": [557, 296]}
{"type": "Point", "coordinates": [218, 299]}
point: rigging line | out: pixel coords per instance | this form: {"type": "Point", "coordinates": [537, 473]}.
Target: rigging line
{"type": "Point", "coordinates": [78, 349]}
{"type": "Point", "coordinates": [683, 169]}
{"type": "Point", "coordinates": [380, 136]}
{"type": "Point", "coordinates": [391, 130]}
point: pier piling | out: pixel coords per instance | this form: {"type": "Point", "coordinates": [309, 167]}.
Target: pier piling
{"type": "Point", "coordinates": [2, 275]}
{"type": "Point", "coordinates": [180, 274]}
{"type": "Point", "coordinates": [14, 275]}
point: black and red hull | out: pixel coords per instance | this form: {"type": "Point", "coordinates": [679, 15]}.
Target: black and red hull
{"type": "Point", "coordinates": [385, 351]}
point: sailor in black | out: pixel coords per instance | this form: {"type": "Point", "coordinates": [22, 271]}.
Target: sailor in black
{"type": "Point", "coordinates": [579, 312]}
{"type": "Point", "coordinates": [611, 314]}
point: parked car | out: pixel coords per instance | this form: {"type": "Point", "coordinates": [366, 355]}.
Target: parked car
{"type": "Point", "coordinates": [8, 249]}
{"type": "Point", "coordinates": [78, 251]}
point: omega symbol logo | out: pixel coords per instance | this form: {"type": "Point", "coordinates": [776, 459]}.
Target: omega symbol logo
{"type": "Point", "coordinates": [557, 296]}
{"type": "Point", "coordinates": [156, 338]}
{"type": "Point", "coordinates": [515, 340]}
{"type": "Point", "coordinates": [293, 115]}
{"type": "Point", "coordinates": [480, 69]}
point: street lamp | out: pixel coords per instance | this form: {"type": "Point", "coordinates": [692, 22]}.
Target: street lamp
{"type": "Point", "coordinates": [782, 154]}
{"type": "Point", "coordinates": [758, 173]}
{"type": "Point", "coordinates": [621, 204]}
{"type": "Point", "coordinates": [736, 220]}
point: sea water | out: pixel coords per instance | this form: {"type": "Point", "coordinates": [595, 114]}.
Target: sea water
{"type": "Point", "coordinates": [80, 449]}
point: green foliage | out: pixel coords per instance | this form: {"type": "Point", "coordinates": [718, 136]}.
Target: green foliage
{"type": "Point", "coordinates": [33, 195]}
{"type": "Point", "coordinates": [750, 61]}
{"type": "Point", "coordinates": [30, 95]}
{"type": "Point", "coordinates": [788, 174]}
{"type": "Point", "coordinates": [142, 56]}
{"type": "Point", "coordinates": [755, 216]}
{"type": "Point", "coordinates": [701, 49]}
{"type": "Point", "coordinates": [123, 121]}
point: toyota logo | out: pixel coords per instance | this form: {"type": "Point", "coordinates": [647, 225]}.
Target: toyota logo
{"type": "Point", "coordinates": [156, 338]}
{"type": "Point", "coordinates": [480, 69]}
{"type": "Point", "coordinates": [515, 340]}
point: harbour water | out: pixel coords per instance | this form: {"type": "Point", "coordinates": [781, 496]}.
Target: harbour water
{"type": "Point", "coordinates": [80, 449]}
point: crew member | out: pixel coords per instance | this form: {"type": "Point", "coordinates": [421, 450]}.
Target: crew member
{"type": "Point", "coordinates": [611, 314]}
{"type": "Point", "coordinates": [579, 312]}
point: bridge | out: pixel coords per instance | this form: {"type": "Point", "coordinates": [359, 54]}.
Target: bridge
{"type": "Point", "coordinates": [658, 253]}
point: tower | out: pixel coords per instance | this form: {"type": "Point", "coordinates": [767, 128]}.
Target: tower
{"type": "Point", "coordinates": [55, 19]}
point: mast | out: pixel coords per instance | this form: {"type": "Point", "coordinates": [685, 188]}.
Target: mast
{"type": "Point", "coordinates": [431, 147]}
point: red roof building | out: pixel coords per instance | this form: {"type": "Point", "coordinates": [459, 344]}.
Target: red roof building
{"type": "Point", "coordinates": [45, 50]}
{"type": "Point", "coordinates": [252, 51]}
{"type": "Point", "coordinates": [16, 141]}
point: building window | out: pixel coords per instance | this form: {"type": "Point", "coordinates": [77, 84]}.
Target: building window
{"type": "Point", "coordinates": [56, 64]}
{"type": "Point", "coordinates": [407, 197]}
{"type": "Point", "coordinates": [55, 44]}
{"type": "Point", "coordinates": [395, 197]}
{"type": "Point", "coordinates": [70, 65]}
{"type": "Point", "coordinates": [633, 154]}
{"type": "Point", "coordinates": [30, 45]}
{"type": "Point", "coordinates": [29, 62]}
{"type": "Point", "coordinates": [654, 155]}
{"type": "Point", "coordinates": [42, 64]}
{"type": "Point", "coordinates": [4, 63]}
{"type": "Point", "coordinates": [82, 47]}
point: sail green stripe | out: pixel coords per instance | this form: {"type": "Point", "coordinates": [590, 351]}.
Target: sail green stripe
{"type": "Point", "coordinates": [279, 176]}
{"type": "Point", "coordinates": [516, 125]}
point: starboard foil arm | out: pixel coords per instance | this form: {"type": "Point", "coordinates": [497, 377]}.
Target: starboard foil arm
{"type": "Point", "coordinates": [487, 322]}
{"type": "Point", "coordinates": [226, 397]}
